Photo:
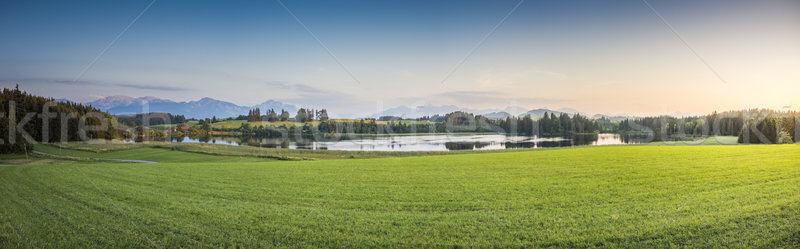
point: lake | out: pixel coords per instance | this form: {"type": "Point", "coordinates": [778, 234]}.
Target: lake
{"type": "Point", "coordinates": [426, 142]}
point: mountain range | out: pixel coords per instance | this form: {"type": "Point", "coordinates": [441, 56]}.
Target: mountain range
{"type": "Point", "coordinates": [203, 108]}
{"type": "Point", "coordinates": [419, 111]}
{"type": "Point", "coordinates": [209, 107]}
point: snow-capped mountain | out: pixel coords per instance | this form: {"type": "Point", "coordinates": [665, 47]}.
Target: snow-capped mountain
{"type": "Point", "coordinates": [203, 108]}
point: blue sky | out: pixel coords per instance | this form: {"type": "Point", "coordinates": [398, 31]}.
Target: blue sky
{"type": "Point", "coordinates": [594, 56]}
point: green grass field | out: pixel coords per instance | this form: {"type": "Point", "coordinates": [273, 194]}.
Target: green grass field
{"type": "Point", "coordinates": [617, 197]}
{"type": "Point", "coordinates": [714, 140]}
{"type": "Point", "coordinates": [170, 152]}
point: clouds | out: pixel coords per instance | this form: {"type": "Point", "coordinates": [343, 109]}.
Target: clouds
{"type": "Point", "coordinates": [301, 89]}
{"type": "Point", "coordinates": [491, 97]}
{"type": "Point", "coordinates": [497, 99]}
{"type": "Point", "coordinates": [486, 101]}
{"type": "Point", "coordinates": [353, 104]}
{"type": "Point", "coordinates": [89, 90]}
{"type": "Point", "coordinates": [37, 82]}
{"type": "Point", "coordinates": [123, 85]}
{"type": "Point", "coordinates": [304, 95]}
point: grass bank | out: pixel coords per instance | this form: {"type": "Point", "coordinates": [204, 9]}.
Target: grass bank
{"type": "Point", "coordinates": [618, 197]}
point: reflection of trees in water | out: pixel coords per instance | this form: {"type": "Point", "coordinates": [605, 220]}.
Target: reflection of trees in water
{"type": "Point", "coordinates": [574, 140]}
{"type": "Point", "coordinates": [311, 143]}
{"type": "Point", "coordinates": [203, 139]}
{"type": "Point", "coordinates": [636, 138]}
{"type": "Point", "coordinates": [552, 144]}
{"type": "Point", "coordinates": [480, 145]}
{"type": "Point", "coordinates": [266, 142]}
{"type": "Point", "coordinates": [459, 146]}
{"type": "Point", "coordinates": [304, 144]}
{"type": "Point", "coordinates": [570, 140]}
{"type": "Point", "coordinates": [513, 145]}
{"type": "Point", "coordinates": [583, 139]}
{"type": "Point", "coordinates": [273, 144]}
{"type": "Point", "coordinates": [283, 143]}
{"type": "Point", "coordinates": [465, 145]}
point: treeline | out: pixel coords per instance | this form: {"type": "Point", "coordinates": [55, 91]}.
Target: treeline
{"type": "Point", "coordinates": [27, 119]}
{"type": "Point", "coordinates": [751, 126]}
{"type": "Point", "coordinates": [147, 119]}
{"type": "Point", "coordinates": [271, 116]}
{"type": "Point", "coordinates": [666, 128]}
{"type": "Point", "coordinates": [328, 128]}
{"type": "Point", "coordinates": [303, 115]}
{"type": "Point", "coordinates": [548, 125]}
{"type": "Point", "coordinates": [772, 129]}
{"type": "Point", "coordinates": [563, 124]}
{"type": "Point", "coordinates": [454, 122]}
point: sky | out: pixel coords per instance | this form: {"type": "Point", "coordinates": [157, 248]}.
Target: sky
{"type": "Point", "coordinates": [612, 57]}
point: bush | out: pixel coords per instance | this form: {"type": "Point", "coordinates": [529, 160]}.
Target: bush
{"type": "Point", "coordinates": [785, 138]}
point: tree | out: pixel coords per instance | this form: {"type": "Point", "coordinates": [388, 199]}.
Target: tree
{"type": "Point", "coordinates": [301, 116]}
{"type": "Point", "coordinates": [555, 124]}
{"type": "Point", "coordinates": [245, 129]}
{"type": "Point", "coordinates": [544, 124]}
{"type": "Point", "coordinates": [206, 126]}
{"type": "Point", "coordinates": [284, 115]}
{"type": "Point", "coordinates": [323, 115]}
{"type": "Point", "coordinates": [254, 115]}
{"type": "Point", "coordinates": [526, 125]}
{"type": "Point", "coordinates": [785, 138]}
{"type": "Point", "coordinates": [272, 116]}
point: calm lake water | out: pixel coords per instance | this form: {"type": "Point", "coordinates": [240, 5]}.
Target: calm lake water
{"type": "Point", "coordinates": [425, 142]}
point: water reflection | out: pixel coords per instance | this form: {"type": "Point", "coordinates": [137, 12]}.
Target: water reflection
{"type": "Point", "coordinates": [423, 142]}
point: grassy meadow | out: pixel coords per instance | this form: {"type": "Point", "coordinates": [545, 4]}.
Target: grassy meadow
{"type": "Point", "coordinates": [616, 196]}
{"type": "Point", "coordinates": [170, 152]}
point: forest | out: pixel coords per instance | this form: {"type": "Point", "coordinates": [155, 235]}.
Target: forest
{"type": "Point", "coordinates": [28, 119]}
{"type": "Point", "coordinates": [454, 122]}
{"type": "Point", "coordinates": [751, 126]}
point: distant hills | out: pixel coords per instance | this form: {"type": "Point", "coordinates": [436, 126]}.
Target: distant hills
{"type": "Point", "coordinates": [497, 115]}
{"type": "Point", "coordinates": [203, 108]}
{"type": "Point", "coordinates": [419, 111]}
{"type": "Point", "coordinates": [208, 107]}
{"type": "Point", "coordinates": [538, 113]}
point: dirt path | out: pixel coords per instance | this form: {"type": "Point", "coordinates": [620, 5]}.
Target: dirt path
{"type": "Point", "coordinates": [87, 158]}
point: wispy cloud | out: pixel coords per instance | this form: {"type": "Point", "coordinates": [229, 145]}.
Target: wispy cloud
{"type": "Point", "coordinates": [484, 101]}
{"type": "Point", "coordinates": [309, 96]}
{"type": "Point", "coordinates": [492, 97]}
{"type": "Point", "coordinates": [302, 89]}
{"type": "Point", "coordinates": [51, 82]}
{"type": "Point", "coordinates": [125, 85]}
